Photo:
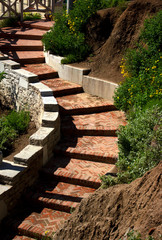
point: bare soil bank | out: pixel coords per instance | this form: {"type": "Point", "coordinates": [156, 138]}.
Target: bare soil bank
{"type": "Point", "coordinates": [110, 33]}
{"type": "Point", "coordinates": [109, 214]}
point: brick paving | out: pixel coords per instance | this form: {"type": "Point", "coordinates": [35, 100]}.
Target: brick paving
{"type": "Point", "coordinates": [105, 123]}
{"type": "Point", "coordinates": [42, 70]}
{"type": "Point", "coordinates": [83, 103]}
{"type": "Point", "coordinates": [61, 87]}
{"type": "Point", "coordinates": [87, 149]}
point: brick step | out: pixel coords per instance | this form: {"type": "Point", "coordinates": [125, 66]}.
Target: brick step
{"type": "Point", "coordinates": [38, 24]}
{"type": "Point", "coordinates": [21, 33]}
{"type": "Point", "coordinates": [61, 87]}
{"type": "Point", "coordinates": [22, 238]}
{"type": "Point", "coordinates": [42, 70]}
{"type": "Point", "coordinates": [97, 124]}
{"type": "Point", "coordinates": [44, 224]}
{"type": "Point", "coordinates": [58, 196]}
{"type": "Point", "coordinates": [26, 56]}
{"type": "Point", "coordinates": [76, 171]}
{"type": "Point", "coordinates": [83, 103]}
{"type": "Point", "coordinates": [93, 148]}
{"type": "Point", "coordinates": [20, 45]}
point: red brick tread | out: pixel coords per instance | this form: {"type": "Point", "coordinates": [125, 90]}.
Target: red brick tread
{"type": "Point", "coordinates": [94, 148]}
{"type": "Point", "coordinates": [61, 196]}
{"type": "Point", "coordinates": [22, 238]}
{"type": "Point", "coordinates": [22, 33]}
{"type": "Point", "coordinates": [103, 124]}
{"type": "Point", "coordinates": [42, 224]}
{"type": "Point", "coordinates": [61, 87]}
{"type": "Point", "coordinates": [20, 45]}
{"type": "Point", "coordinates": [24, 57]}
{"type": "Point", "coordinates": [42, 70]}
{"type": "Point", "coordinates": [38, 24]}
{"type": "Point", "coordinates": [83, 103]}
{"type": "Point", "coordinates": [77, 171]}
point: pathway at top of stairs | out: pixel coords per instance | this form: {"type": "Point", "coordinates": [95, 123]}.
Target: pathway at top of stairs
{"type": "Point", "coordinates": [87, 149]}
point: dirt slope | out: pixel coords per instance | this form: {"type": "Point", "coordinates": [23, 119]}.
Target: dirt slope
{"type": "Point", "coordinates": [110, 34]}
{"type": "Point", "coordinates": [110, 213]}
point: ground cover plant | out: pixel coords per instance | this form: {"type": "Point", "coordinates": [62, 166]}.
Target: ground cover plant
{"type": "Point", "coordinates": [13, 20]}
{"type": "Point", "coordinates": [142, 68]}
{"type": "Point", "coordinates": [11, 126]}
{"type": "Point", "coordinates": [139, 142]}
{"type": "Point", "coordinates": [67, 37]}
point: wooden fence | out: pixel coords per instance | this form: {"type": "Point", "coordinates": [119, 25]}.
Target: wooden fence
{"type": "Point", "coordinates": [18, 7]}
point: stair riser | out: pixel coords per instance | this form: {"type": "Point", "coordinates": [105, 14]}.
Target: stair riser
{"type": "Point", "coordinates": [20, 36]}
{"type": "Point", "coordinates": [47, 76]}
{"type": "Point", "coordinates": [74, 181]}
{"type": "Point", "coordinates": [66, 92]}
{"type": "Point", "coordinates": [31, 234]}
{"type": "Point", "coordinates": [35, 26]}
{"type": "Point", "coordinates": [88, 157]}
{"type": "Point", "coordinates": [21, 48]}
{"type": "Point", "coordinates": [86, 132]}
{"type": "Point", "coordinates": [30, 60]}
{"type": "Point", "coordinates": [86, 110]}
{"type": "Point", "coordinates": [51, 205]}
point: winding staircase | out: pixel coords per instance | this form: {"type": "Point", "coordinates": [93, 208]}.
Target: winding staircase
{"type": "Point", "coordinates": [87, 149]}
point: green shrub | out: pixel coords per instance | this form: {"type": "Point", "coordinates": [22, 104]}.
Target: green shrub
{"type": "Point", "coordinates": [31, 16]}
{"type": "Point", "coordinates": [19, 121]}
{"type": "Point", "coordinates": [11, 126]}
{"type": "Point", "coordinates": [2, 75]}
{"type": "Point", "coordinates": [139, 144]}
{"type": "Point", "coordinates": [10, 21]}
{"type": "Point", "coordinates": [7, 135]}
{"type": "Point", "coordinates": [142, 69]}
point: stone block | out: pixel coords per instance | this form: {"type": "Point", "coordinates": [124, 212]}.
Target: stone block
{"type": "Point", "coordinates": [50, 104]}
{"type": "Point", "coordinates": [3, 210]}
{"type": "Point", "coordinates": [43, 89]}
{"type": "Point", "coordinates": [9, 171]}
{"type": "Point", "coordinates": [29, 154]}
{"type": "Point", "coordinates": [42, 136]}
{"type": "Point", "coordinates": [51, 119]}
{"type": "Point", "coordinates": [11, 64]}
{"type": "Point", "coordinates": [30, 77]}
{"type": "Point", "coordinates": [23, 83]}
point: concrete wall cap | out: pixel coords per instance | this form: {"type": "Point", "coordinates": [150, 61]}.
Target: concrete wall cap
{"type": "Point", "coordinates": [30, 76]}
{"type": "Point", "coordinates": [11, 64]}
{"type": "Point", "coordinates": [43, 89]}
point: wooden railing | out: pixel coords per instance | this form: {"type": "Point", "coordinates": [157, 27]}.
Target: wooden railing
{"type": "Point", "coordinates": [18, 7]}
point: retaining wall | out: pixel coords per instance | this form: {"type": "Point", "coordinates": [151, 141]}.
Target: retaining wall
{"type": "Point", "coordinates": [92, 85]}
{"type": "Point", "coordinates": [20, 89]}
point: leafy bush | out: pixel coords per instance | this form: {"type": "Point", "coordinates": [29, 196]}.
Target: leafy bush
{"type": "Point", "coordinates": [7, 135]}
{"type": "Point", "coordinates": [139, 144]}
{"type": "Point", "coordinates": [142, 68]}
{"type": "Point", "coordinates": [11, 126]}
{"type": "Point", "coordinates": [2, 75]}
{"type": "Point", "coordinates": [10, 21]}
{"type": "Point", "coordinates": [67, 37]}
{"type": "Point", "coordinates": [31, 16]}
{"type": "Point", "coordinates": [19, 121]}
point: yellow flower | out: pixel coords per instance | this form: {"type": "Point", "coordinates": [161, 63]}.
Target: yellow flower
{"type": "Point", "coordinates": [153, 67]}
{"type": "Point", "coordinates": [151, 95]}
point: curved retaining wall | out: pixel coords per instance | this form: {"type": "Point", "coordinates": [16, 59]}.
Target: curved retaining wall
{"type": "Point", "coordinates": [21, 89]}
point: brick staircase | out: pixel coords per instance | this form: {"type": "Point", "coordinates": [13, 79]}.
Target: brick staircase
{"type": "Point", "coordinates": [88, 146]}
